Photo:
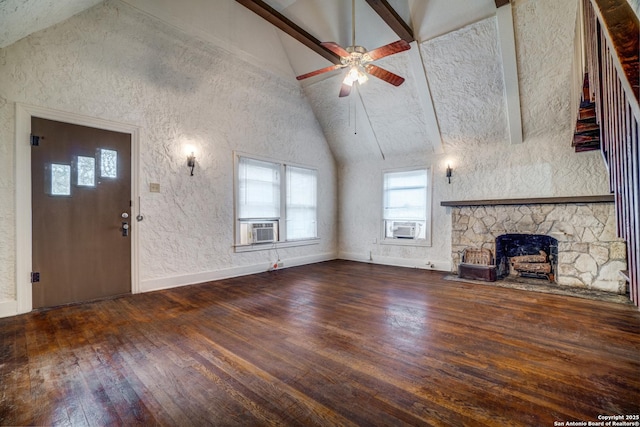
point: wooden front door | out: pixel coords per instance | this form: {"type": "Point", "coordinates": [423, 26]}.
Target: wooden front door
{"type": "Point", "coordinates": [81, 198]}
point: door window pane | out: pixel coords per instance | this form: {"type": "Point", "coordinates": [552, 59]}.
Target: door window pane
{"type": "Point", "coordinates": [60, 180]}
{"type": "Point", "coordinates": [108, 163]}
{"type": "Point", "coordinates": [86, 171]}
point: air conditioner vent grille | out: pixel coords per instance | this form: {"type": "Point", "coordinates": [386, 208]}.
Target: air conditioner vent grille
{"type": "Point", "coordinates": [263, 232]}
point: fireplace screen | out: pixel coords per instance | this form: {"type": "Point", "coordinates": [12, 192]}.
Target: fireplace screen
{"type": "Point", "coordinates": [527, 255]}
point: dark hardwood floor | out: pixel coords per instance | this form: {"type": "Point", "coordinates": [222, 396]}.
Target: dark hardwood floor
{"type": "Point", "coordinates": [335, 343]}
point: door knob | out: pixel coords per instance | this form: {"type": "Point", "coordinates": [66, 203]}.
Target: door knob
{"type": "Point", "coordinates": [125, 229]}
{"type": "Point", "coordinates": [125, 215]}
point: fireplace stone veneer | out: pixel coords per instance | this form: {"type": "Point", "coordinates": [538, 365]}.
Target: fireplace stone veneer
{"type": "Point", "coordinates": [589, 253]}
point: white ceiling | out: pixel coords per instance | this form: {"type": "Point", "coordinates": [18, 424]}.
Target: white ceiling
{"type": "Point", "coordinates": [379, 121]}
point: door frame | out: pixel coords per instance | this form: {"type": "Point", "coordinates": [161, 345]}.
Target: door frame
{"type": "Point", "coordinates": [24, 113]}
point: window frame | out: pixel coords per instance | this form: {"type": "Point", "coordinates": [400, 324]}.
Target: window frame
{"type": "Point", "coordinates": [427, 240]}
{"type": "Point", "coordinates": [282, 241]}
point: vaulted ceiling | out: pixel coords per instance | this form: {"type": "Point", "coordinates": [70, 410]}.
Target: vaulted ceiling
{"type": "Point", "coordinates": [377, 120]}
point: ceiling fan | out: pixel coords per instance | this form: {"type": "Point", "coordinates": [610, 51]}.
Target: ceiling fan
{"type": "Point", "coordinates": [359, 59]}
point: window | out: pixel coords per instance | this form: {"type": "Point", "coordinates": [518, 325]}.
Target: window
{"type": "Point", "coordinates": [274, 210]}
{"type": "Point", "coordinates": [86, 171]}
{"type": "Point", "coordinates": [301, 203]}
{"type": "Point", "coordinates": [60, 180]}
{"type": "Point", "coordinates": [258, 189]}
{"type": "Point", "coordinates": [108, 163]}
{"type": "Point", "coordinates": [405, 207]}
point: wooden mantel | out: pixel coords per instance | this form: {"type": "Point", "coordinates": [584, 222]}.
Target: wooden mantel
{"type": "Point", "coordinates": [608, 198]}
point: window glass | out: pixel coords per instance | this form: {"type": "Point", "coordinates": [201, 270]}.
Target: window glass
{"type": "Point", "coordinates": [301, 206]}
{"type": "Point", "coordinates": [86, 169]}
{"type": "Point", "coordinates": [60, 180]}
{"type": "Point", "coordinates": [258, 189]}
{"type": "Point", "coordinates": [108, 163]}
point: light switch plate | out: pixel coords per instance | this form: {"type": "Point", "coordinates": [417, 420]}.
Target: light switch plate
{"type": "Point", "coordinates": [154, 187]}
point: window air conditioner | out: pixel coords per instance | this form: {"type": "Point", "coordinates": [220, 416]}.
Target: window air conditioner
{"type": "Point", "coordinates": [404, 230]}
{"type": "Point", "coordinates": [262, 232]}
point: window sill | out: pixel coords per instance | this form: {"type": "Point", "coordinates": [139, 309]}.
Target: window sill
{"type": "Point", "coordinates": [275, 245]}
{"type": "Point", "coordinates": [406, 242]}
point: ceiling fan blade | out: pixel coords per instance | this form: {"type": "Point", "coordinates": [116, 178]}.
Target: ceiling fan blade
{"type": "Point", "coordinates": [385, 75]}
{"type": "Point", "coordinates": [320, 71]}
{"type": "Point", "coordinates": [389, 49]}
{"type": "Point", "coordinates": [335, 48]}
{"type": "Point", "coordinates": [345, 90]}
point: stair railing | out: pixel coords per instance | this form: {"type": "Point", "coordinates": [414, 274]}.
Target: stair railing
{"type": "Point", "coordinates": [611, 49]}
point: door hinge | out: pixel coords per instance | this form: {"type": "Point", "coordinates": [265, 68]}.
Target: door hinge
{"type": "Point", "coordinates": [35, 277]}
{"type": "Point", "coordinates": [35, 140]}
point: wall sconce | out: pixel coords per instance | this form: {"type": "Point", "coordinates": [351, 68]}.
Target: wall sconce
{"type": "Point", "coordinates": [449, 170]}
{"type": "Point", "coordinates": [191, 161]}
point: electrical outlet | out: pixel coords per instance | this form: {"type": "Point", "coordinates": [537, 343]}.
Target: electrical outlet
{"type": "Point", "coordinates": [276, 265]}
{"type": "Point", "coordinates": [154, 187]}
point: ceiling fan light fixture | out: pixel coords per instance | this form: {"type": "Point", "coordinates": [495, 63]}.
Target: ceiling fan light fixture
{"type": "Point", "coordinates": [358, 59]}
{"type": "Point", "coordinates": [355, 74]}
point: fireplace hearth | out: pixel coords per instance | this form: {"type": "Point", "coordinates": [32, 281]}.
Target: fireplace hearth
{"type": "Point", "coordinates": [527, 255]}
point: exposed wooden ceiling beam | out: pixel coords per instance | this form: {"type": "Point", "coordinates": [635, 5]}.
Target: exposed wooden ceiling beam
{"type": "Point", "coordinates": [393, 20]}
{"type": "Point", "coordinates": [500, 3]}
{"type": "Point", "coordinates": [274, 17]}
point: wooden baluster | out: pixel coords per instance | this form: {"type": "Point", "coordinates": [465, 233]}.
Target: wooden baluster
{"type": "Point", "coordinates": [619, 141]}
{"type": "Point", "coordinates": [633, 249]}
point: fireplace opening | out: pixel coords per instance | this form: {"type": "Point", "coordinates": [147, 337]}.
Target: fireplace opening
{"type": "Point", "coordinates": [527, 255]}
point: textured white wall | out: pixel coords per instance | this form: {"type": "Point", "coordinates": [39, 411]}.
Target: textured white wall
{"type": "Point", "coordinates": [19, 18]}
{"type": "Point", "coordinates": [465, 77]}
{"type": "Point", "coordinates": [226, 24]}
{"type": "Point", "coordinates": [116, 63]}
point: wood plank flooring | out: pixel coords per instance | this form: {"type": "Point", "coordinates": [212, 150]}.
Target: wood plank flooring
{"type": "Point", "coordinates": [335, 343]}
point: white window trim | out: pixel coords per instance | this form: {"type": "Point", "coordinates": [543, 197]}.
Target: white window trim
{"type": "Point", "coordinates": [282, 232]}
{"type": "Point", "coordinates": [426, 242]}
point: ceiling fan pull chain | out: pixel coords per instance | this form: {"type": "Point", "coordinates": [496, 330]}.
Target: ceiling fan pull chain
{"type": "Point", "coordinates": [355, 110]}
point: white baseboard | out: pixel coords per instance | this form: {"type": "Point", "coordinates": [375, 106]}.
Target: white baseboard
{"type": "Point", "coordinates": [8, 308]}
{"type": "Point", "coordinates": [436, 265]}
{"type": "Point", "coordinates": [227, 273]}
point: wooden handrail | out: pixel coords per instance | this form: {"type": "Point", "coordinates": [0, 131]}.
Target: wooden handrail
{"type": "Point", "coordinates": [622, 30]}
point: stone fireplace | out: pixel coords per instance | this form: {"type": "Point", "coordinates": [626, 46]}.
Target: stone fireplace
{"type": "Point", "coordinates": [587, 253]}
